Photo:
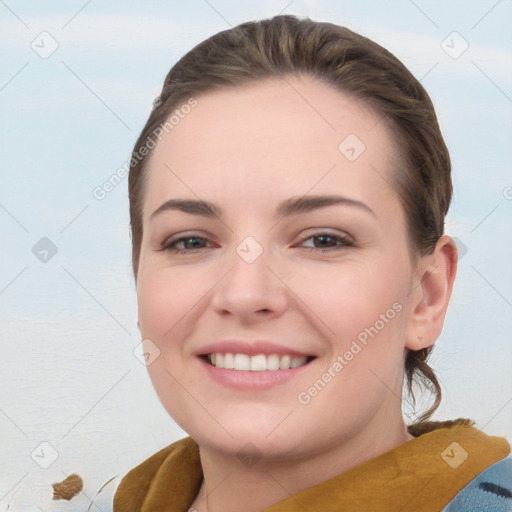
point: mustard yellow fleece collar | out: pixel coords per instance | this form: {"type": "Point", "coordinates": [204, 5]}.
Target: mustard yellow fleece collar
{"type": "Point", "coordinates": [423, 474]}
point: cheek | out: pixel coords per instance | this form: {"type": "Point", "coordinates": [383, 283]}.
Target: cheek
{"type": "Point", "coordinates": [152, 302]}
{"type": "Point", "coordinates": [354, 296]}
{"type": "Point", "coordinates": [163, 303]}
{"type": "Point", "coordinates": [169, 301]}
{"type": "Point", "coordinates": [163, 298]}
{"type": "Point", "coordinates": [365, 310]}
{"type": "Point", "coordinates": [366, 362]}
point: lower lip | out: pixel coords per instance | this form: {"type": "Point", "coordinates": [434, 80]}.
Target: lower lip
{"type": "Point", "coordinates": [249, 380]}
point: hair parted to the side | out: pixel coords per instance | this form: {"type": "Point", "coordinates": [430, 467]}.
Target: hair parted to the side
{"type": "Point", "coordinates": [285, 46]}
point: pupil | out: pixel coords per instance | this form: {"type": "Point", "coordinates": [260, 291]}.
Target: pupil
{"type": "Point", "coordinates": [323, 237]}
{"type": "Point", "coordinates": [194, 245]}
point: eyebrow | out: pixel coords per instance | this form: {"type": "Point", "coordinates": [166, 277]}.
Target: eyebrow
{"type": "Point", "coordinates": [292, 206]}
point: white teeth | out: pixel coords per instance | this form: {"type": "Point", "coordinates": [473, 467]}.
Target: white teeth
{"type": "Point", "coordinates": [284, 363]}
{"type": "Point", "coordinates": [273, 362]}
{"type": "Point", "coordinates": [229, 362]}
{"type": "Point", "coordinates": [297, 361]}
{"type": "Point", "coordinates": [257, 363]}
{"type": "Point", "coordinates": [241, 362]}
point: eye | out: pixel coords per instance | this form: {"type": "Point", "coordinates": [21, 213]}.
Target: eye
{"type": "Point", "coordinates": [329, 241]}
{"type": "Point", "coordinates": [194, 241]}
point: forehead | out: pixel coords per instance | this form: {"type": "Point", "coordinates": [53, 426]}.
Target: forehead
{"type": "Point", "coordinates": [294, 134]}
{"type": "Point", "coordinates": [307, 108]}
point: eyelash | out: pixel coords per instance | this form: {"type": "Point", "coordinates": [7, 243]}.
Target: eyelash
{"type": "Point", "coordinates": [167, 246]}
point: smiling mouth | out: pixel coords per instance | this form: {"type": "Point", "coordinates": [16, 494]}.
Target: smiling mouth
{"type": "Point", "coordinates": [257, 363]}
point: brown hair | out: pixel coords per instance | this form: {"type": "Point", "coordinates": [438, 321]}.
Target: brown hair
{"type": "Point", "coordinates": [348, 62]}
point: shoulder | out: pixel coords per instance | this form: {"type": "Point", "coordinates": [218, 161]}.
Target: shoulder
{"type": "Point", "coordinates": [135, 485]}
{"type": "Point", "coordinates": [490, 490]}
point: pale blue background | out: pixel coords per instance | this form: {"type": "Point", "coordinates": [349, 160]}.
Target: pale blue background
{"type": "Point", "coordinates": [68, 326]}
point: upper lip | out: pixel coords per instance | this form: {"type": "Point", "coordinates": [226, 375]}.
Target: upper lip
{"type": "Point", "coordinates": [251, 348]}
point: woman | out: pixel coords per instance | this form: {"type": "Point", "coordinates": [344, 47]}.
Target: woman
{"type": "Point", "coordinates": [287, 203]}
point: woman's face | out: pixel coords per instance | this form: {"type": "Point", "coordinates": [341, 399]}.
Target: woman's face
{"type": "Point", "coordinates": [275, 276]}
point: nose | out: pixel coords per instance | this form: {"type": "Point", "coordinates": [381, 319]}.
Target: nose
{"type": "Point", "coordinates": [251, 290]}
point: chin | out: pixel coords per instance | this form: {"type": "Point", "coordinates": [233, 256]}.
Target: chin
{"type": "Point", "coordinates": [234, 434]}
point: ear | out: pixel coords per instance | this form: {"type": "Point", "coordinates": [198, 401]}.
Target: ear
{"type": "Point", "coordinates": [431, 290]}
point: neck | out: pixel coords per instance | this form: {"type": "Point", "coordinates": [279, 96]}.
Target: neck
{"type": "Point", "coordinates": [229, 486]}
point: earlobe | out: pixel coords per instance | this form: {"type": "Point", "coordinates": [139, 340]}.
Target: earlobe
{"type": "Point", "coordinates": [436, 275]}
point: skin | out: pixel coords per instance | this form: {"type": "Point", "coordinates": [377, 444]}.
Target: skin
{"type": "Point", "coordinates": [247, 149]}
